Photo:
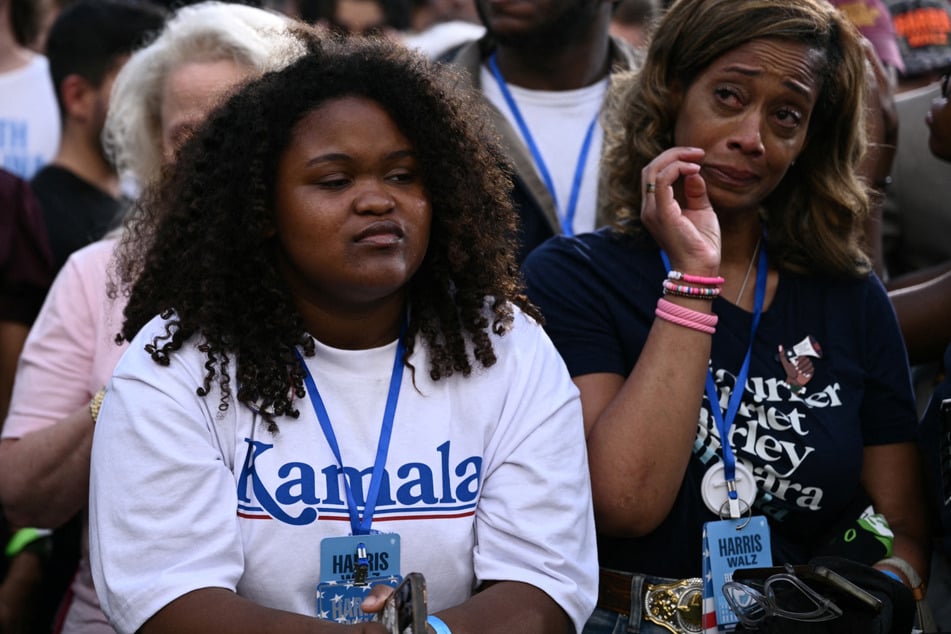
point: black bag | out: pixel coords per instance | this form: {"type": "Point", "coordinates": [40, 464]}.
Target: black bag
{"type": "Point", "coordinates": [896, 616]}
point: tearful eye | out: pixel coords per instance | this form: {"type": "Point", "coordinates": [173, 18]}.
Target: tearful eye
{"type": "Point", "coordinates": [727, 95]}
{"type": "Point", "coordinates": [789, 117]}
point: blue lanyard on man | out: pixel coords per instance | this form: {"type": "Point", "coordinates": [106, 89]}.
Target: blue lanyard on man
{"type": "Point", "coordinates": [566, 219]}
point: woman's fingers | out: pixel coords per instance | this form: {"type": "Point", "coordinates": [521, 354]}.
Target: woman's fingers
{"type": "Point", "coordinates": [695, 192]}
{"type": "Point", "coordinates": [670, 165]}
{"type": "Point", "coordinates": [676, 209]}
{"type": "Point", "coordinates": [659, 177]}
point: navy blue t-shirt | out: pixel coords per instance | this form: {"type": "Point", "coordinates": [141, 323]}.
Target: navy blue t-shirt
{"type": "Point", "coordinates": [598, 292]}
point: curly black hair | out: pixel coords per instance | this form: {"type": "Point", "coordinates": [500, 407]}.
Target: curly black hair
{"type": "Point", "coordinates": [196, 254]}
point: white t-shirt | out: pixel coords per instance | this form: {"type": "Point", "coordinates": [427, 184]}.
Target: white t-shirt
{"type": "Point", "coordinates": [558, 122]}
{"type": "Point", "coordinates": [486, 479]}
{"type": "Point", "coordinates": [29, 118]}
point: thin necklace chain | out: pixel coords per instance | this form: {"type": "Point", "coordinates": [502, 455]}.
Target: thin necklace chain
{"type": "Point", "coordinates": [749, 270]}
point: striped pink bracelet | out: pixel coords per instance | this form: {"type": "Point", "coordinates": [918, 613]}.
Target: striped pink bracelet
{"type": "Point", "coordinates": [700, 292]}
{"type": "Point", "coordinates": [669, 311]}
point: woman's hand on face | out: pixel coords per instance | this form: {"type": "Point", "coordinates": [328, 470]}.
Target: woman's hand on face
{"type": "Point", "coordinates": [688, 232]}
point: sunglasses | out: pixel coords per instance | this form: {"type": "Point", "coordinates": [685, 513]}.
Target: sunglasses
{"type": "Point", "coordinates": [782, 594]}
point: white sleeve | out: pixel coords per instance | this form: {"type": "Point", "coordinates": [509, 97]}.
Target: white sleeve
{"type": "Point", "coordinates": [535, 519]}
{"type": "Point", "coordinates": [162, 511]}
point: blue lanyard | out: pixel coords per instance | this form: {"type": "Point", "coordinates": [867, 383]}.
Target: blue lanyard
{"type": "Point", "coordinates": [358, 525]}
{"type": "Point", "coordinates": [568, 220]}
{"type": "Point", "coordinates": [725, 421]}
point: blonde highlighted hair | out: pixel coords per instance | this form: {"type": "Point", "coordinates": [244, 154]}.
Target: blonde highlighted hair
{"type": "Point", "coordinates": [205, 32]}
{"type": "Point", "coordinates": [814, 217]}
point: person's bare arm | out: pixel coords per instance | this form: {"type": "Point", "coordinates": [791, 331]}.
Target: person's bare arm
{"type": "Point", "coordinates": [882, 131]}
{"type": "Point", "coordinates": [640, 429]}
{"type": "Point", "coordinates": [18, 592]}
{"type": "Point", "coordinates": [12, 336]}
{"type": "Point", "coordinates": [44, 465]}
{"type": "Point", "coordinates": [891, 474]}
{"type": "Point", "coordinates": [44, 476]}
{"type": "Point", "coordinates": [920, 276]}
{"type": "Point", "coordinates": [924, 314]}
{"type": "Point", "coordinates": [221, 610]}
{"type": "Point", "coordinates": [507, 607]}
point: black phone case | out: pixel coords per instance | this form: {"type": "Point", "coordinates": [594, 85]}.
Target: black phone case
{"type": "Point", "coordinates": [825, 581]}
{"type": "Point", "coordinates": [405, 610]}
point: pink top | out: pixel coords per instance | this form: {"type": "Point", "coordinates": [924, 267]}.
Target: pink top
{"type": "Point", "coordinates": [69, 355]}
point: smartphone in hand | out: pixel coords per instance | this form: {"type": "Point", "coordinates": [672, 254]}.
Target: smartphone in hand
{"type": "Point", "coordinates": [405, 610]}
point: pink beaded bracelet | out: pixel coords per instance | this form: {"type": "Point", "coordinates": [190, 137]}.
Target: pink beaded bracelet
{"type": "Point", "coordinates": [695, 279]}
{"type": "Point", "coordinates": [700, 292]}
{"type": "Point", "coordinates": [682, 316]}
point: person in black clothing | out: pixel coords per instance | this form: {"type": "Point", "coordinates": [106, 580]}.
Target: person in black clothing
{"type": "Point", "coordinates": [26, 273]}
{"type": "Point", "coordinates": [79, 190]}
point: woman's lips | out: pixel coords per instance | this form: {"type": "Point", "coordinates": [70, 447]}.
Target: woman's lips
{"type": "Point", "coordinates": [729, 175]}
{"type": "Point", "coordinates": [383, 233]}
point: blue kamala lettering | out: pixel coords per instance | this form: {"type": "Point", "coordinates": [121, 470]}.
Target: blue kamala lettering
{"type": "Point", "coordinates": [299, 484]}
{"type": "Point", "coordinates": [261, 494]}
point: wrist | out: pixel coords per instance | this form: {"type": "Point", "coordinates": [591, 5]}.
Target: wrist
{"type": "Point", "coordinates": [95, 403]}
{"type": "Point", "coordinates": [704, 322]}
{"type": "Point", "coordinates": [35, 540]}
{"type": "Point", "coordinates": [896, 566]}
{"type": "Point", "coordinates": [436, 625]}
{"type": "Point", "coordinates": [894, 575]}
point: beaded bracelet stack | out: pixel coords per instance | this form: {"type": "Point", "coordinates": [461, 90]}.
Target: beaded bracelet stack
{"type": "Point", "coordinates": [696, 287]}
{"type": "Point", "coordinates": [709, 287]}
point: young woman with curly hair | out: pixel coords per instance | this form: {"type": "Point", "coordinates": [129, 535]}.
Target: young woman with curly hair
{"type": "Point", "coordinates": [334, 223]}
{"type": "Point", "coordinates": [735, 269]}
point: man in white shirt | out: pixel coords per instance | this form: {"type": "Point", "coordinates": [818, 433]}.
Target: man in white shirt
{"type": "Point", "coordinates": [29, 118]}
{"type": "Point", "coordinates": [547, 64]}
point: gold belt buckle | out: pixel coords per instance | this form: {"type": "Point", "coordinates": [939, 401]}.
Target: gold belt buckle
{"type": "Point", "coordinates": [676, 606]}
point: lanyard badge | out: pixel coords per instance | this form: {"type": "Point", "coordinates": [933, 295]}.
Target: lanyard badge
{"type": "Point", "coordinates": [728, 490]}
{"type": "Point", "coordinates": [351, 565]}
{"type": "Point", "coordinates": [729, 544]}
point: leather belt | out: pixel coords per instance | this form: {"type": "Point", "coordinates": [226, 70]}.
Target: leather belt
{"type": "Point", "coordinates": [677, 606]}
